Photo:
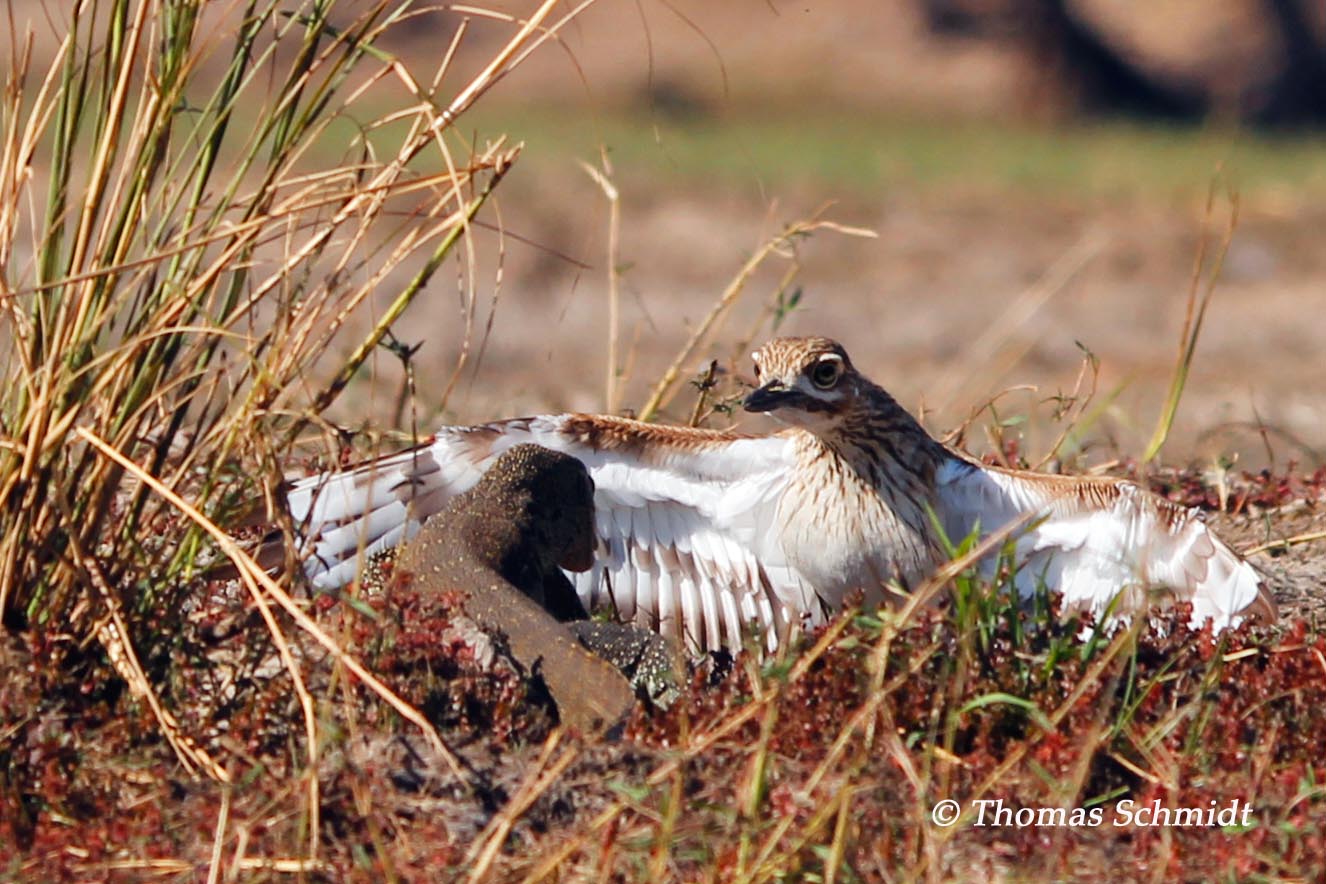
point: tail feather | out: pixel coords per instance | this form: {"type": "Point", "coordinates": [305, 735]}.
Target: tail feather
{"type": "Point", "coordinates": [1198, 567]}
{"type": "Point", "coordinates": [331, 568]}
{"type": "Point", "coordinates": [336, 498]}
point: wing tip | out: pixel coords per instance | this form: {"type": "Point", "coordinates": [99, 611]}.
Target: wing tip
{"type": "Point", "coordinates": [1263, 609]}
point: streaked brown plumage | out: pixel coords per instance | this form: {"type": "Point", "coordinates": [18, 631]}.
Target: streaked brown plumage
{"type": "Point", "coordinates": [704, 533]}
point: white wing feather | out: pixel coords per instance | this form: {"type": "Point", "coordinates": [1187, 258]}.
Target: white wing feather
{"type": "Point", "coordinates": [686, 538]}
{"type": "Point", "coordinates": [1098, 539]}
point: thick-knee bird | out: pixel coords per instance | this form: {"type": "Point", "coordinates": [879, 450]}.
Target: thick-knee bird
{"type": "Point", "coordinates": [709, 535]}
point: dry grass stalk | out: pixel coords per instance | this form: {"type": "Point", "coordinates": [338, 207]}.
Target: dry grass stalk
{"type": "Point", "coordinates": [983, 357]}
{"type": "Point", "coordinates": [1286, 543]}
{"type": "Point", "coordinates": [665, 388]}
{"type": "Point", "coordinates": [254, 577]}
{"type": "Point", "coordinates": [603, 178]}
{"type": "Point", "coordinates": [177, 254]}
{"type": "Point", "coordinates": [541, 776]}
{"type": "Point", "coordinates": [1199, 298]}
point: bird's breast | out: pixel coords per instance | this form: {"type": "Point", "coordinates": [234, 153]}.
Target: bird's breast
{"type": "Point", "coordinates": [845, 531]}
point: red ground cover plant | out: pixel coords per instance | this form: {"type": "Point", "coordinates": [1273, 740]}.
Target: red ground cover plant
{"type": "Point", "coordinates": [1184, 718]}
{"type": "Point", "coordinates": [828, 759]}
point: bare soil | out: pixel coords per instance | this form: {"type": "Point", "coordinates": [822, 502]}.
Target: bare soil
{"type": "Point", "coordinates": [974, 284]}
{"type": "Point", "coordinates": [971, 287]}
{"type": "Point", "coordinates": [91, 792]}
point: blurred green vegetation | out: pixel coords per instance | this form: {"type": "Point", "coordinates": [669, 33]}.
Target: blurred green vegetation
{"type": "Point", "coordinates": [837, 148]}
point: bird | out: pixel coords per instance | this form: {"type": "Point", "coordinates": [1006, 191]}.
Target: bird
{"type": "Point", "coordinates": [712, 536]}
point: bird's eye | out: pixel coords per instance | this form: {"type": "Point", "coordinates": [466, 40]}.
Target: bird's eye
{"type": "Point", "coordinates": [757, 370]}
{"type": "Point", "coordinates": [826, 373]}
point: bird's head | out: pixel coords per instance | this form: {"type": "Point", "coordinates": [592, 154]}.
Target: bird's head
{"type": "Point", "coordinates": [806, 382]}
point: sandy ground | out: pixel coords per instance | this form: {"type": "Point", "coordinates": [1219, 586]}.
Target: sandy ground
{"type": "Point", "coordinates": [956, 300]}
{"type": "Point", "coordinates": [969, 289]}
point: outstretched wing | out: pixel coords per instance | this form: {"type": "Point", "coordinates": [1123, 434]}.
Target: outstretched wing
{"type": "Point", "coordinates": [1097, 539]}
{"type": "Point", "coordinates": [344, 518]}
{"type": "Point", "coordinates": [687, 543]}
{"type": "Point", "coordinates": [686, 539]}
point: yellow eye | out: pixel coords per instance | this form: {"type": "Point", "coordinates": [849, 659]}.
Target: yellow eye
{"type": "Point", "coordinates": [826, 373]}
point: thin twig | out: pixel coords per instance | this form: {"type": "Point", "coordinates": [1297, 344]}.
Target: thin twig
{"type": "Point", "coordinates": [663, 388]}
{"type": "Point", "coordinates": [536, 783]}
{"type": "Point", "coordinates": [218, 838]}
{"type": "Point", "coordinates": [1286, 543]}
{"type": "Point", "coordinates": [705, 384]}
{"type": "Point", "coordinates": [978, 356]}
{"type": "Point", "coordinates": [603, 179]}
{"type": "Point", "coordinates": [406, 296]}
{"type": "Point", "coordinates": [251, 571]}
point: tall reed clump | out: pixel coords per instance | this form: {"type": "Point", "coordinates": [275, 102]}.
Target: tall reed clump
{"type": "Point", "coordinates": [177, 249]}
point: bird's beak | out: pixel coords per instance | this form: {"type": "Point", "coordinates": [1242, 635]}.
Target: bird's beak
{"type": "Point", "coordinates": [767, 398]}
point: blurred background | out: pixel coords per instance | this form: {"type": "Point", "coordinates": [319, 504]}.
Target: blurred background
{"type": "Point", "coordinates": [1039, 174]}
{"type": "Point", "coordinates": [1040, 177]}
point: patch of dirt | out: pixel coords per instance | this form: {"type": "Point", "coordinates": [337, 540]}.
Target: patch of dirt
{"type": "Point", "coordinates": [972, 287]}
{"type": "Point", "coordinates": [810, 757]}
{"type": "Point", "coordinates": [1279, 517]}
{"type": "Point", "coordinates": [1297, 572]}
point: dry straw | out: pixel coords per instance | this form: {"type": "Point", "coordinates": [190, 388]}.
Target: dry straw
{"type": "Point", "coordinates": [195, 201]}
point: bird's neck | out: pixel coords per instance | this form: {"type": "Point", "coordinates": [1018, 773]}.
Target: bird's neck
{"type": "Point", "coordinates": [879, 438]}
